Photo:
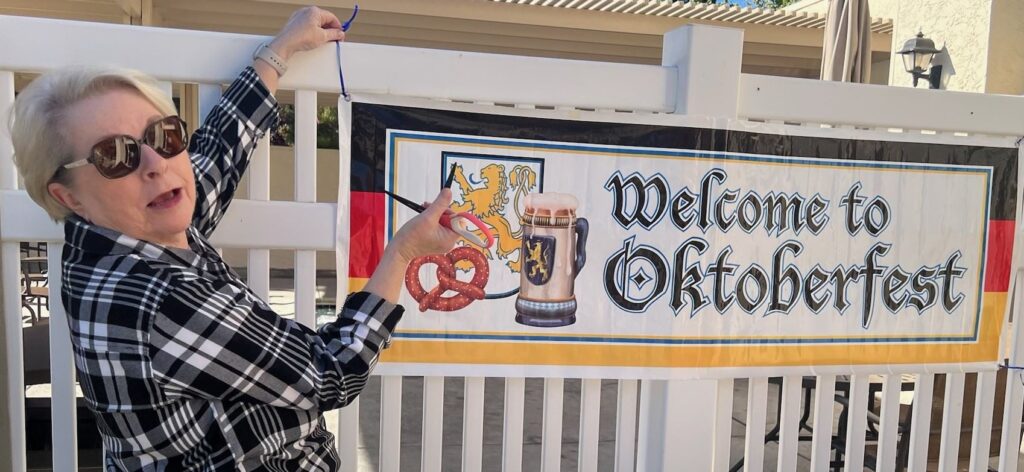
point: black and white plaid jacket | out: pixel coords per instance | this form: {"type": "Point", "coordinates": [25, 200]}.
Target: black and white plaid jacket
{"type": "Point", "coordinates": [184, 366]}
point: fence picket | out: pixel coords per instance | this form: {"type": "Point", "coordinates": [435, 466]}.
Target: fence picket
{"type": "Point", "coordinates": [1009, 446]}
{"type": "Point", "coordinates": [551, 438]}
{"type": "Point", "coordinates": [789, 422]}
{"type": "Point", "coordinates": [433, 424]}
{"type": "Point", "coordinates": [258, 273]}
{"type": "Point", "coordinates": [982, 427]}
{"type": "Point", "coordinates": [952, 407]}
{"type": "Point", "coordinates": [512, 439]}
{"type": "Point", "coordinates": [390, 422]}
{"type": "Point", "coordinates": [8, 174]}
{"type": "Point", "coordinates": [590, 422]}
{"type": "Point", "coordinates": [921, 422]}
{"type": "Point", "coordinates": [305, 191]}
{"type": "Point", "coordinates": [473, 425]}
{"type": "Point", "coordinates": [821, 439]}
{"type": "Point", "coordinates": [857, 420]}
{"type": "Point", "coordinates": [347, 436]}
{"type": "Point", "coordinates": [723, 426]}
{"type": "Point", "coordinates": [757, 404]}
{"type": "Point", "coordinates": [889, 427]}
{"type": "Point", "coordinates": [10, 254]}
{"type": "Point", "coordinates": [63, 404]}
{"type": "Point", "coordinates": [625, 425]}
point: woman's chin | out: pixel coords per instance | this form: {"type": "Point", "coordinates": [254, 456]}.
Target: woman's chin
{"type": "Point", "coordinates": [170, 229]}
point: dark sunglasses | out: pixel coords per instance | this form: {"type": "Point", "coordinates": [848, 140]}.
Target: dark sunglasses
{"type": "Point", "coordinates": [118, 156]}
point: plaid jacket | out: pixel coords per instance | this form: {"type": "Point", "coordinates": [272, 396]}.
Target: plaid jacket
{"type": "Point", "coordinates": [183, 365]}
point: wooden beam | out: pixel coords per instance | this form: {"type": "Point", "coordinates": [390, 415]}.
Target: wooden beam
{"type": "Point", "coordinates": [132, 8]}
{"type": "Point", "coordinates": [572, 19]}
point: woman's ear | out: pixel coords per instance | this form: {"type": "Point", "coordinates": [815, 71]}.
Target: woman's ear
{"type": "Point", "coordinates": [65, 196]}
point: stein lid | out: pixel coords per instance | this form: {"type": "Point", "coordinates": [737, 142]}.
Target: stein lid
{"type": "Point", "coordinates": [554, 204]}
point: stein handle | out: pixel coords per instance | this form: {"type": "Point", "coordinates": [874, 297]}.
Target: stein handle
{"type": "Point", "coordinates": [582, 228]}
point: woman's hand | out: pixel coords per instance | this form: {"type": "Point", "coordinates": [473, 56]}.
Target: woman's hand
{"type": "Point", "coordinates": [308, 28]}
{"type": "Point", "coordinates": [420, 236]}
{"type": "Point", "coordinates": [424, 235]}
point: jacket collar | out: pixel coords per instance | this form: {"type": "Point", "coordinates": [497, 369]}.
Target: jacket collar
{"type": "Point", "coordinates": [90, 238]}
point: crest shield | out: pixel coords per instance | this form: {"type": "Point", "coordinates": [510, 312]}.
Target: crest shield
{"type": "Point", "coordinates": [539, 252]}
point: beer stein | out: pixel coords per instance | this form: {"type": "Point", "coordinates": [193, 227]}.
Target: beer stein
{"type": "Point", "coordinates": [553, 252]}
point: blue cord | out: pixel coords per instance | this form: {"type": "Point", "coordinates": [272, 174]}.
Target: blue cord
{"type": "Point", "coordinates": [337, 46]}
{"type": "Point", "coordinates": [341, 74]}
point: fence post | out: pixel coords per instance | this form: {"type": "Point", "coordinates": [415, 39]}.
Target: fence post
{"type": "Point", "coordinates": [707, 60]}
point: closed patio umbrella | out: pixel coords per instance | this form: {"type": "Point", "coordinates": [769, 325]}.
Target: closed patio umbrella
{"type": "Point", "coordinates": [846, 55]}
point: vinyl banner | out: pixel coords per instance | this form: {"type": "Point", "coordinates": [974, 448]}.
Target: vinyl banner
{"type": "Point", "coordinates": [633, 245]}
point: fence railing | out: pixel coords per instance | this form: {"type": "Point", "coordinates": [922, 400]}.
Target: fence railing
{"type": "Point", "coordinates": [658, 423]}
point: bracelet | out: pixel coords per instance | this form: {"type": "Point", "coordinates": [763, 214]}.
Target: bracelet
{"type": "Point", "coordinates": [265, 54]}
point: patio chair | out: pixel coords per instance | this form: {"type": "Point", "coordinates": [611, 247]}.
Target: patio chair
{"type": "Point", "coordinates": [35, 294]}
{"type": "Point", "coordinates": [33, 249]}
{"type": "Point", "coordinates": [805, 430]}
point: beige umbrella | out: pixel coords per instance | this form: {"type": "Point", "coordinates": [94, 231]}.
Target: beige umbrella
{"type": "Point", "coordinates": [846, 56]}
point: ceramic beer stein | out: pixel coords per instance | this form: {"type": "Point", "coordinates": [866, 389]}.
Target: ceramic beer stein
{"type": "Point", "coordinates": [553, 253]}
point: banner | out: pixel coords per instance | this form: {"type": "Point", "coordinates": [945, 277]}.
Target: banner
{"type": "Point", "coordinates": [641, 246]}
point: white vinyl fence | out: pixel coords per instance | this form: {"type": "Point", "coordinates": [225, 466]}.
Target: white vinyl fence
{"type": "Point", "coordinates": [660, 425]}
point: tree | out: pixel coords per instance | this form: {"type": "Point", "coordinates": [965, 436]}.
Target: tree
{"type": "Point", "coordinates": [326, 127]}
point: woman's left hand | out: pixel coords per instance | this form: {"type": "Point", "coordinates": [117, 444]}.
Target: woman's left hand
{"type": "Point", "coordinates": [308, 28]}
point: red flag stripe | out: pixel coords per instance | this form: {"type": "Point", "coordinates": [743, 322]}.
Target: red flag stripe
{"type": "Point", "coordinates": [367, 233]}
{"type": "Point", "coordinates": [1000, 250]}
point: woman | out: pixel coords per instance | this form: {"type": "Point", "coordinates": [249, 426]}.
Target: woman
{"type": "Point", "coordinates": [183, 365]}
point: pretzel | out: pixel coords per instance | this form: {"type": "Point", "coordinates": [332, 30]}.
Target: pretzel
{"type": "Point", "coordinates": [467, 291]}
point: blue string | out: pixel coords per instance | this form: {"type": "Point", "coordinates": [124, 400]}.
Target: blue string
{"type": "Point", "coordinates": [337, 46]}
{"type": "Point", "coordinates": [341, 74]}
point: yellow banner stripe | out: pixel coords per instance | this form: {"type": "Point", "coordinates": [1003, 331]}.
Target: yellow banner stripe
{"type": "Point", "coordinates": [585, 354]}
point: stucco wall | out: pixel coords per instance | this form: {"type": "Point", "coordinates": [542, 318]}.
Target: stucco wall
{"type": "Point", "coordinates": [962, 26]}
{"type": "Point", "coordinates": [1006, 56]}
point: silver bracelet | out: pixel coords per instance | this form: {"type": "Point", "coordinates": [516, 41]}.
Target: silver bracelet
{"type": "Point", "coordinates": [265, 54]}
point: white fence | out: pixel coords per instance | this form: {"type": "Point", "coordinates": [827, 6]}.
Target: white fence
{"type": "Point", "coordinates": [679, 425]}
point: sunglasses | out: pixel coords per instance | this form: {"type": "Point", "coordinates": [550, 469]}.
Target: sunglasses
{"type": "Point", "coordinates": [118, 156]}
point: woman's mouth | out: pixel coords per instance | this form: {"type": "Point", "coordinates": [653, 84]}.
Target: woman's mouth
{"type": "Point", "coordinates": [166, 200]}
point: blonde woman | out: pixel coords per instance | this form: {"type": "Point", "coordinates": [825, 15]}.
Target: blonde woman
{"type": "Point", "coordinates": [184, 366]}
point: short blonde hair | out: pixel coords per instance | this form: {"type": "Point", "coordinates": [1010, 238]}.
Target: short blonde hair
{"type": "Point", "coordinates": [41, 148]}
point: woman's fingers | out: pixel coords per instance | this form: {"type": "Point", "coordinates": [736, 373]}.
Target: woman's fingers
{"type": "Point", "coordinates": [423, 235]}
{"type": "Point", "coordinates": [309, 28]}
{"type": "Point", "coordinates": [440, 204]}
{"type": "Point", "coordinates": [328, 20]}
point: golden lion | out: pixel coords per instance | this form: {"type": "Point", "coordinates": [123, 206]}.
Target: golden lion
{"type": "Point", "coordinates": [488, 203]}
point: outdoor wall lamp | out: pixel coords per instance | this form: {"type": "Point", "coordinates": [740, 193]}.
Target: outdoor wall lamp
{"type": "Point", "coordinates": [917, 56]}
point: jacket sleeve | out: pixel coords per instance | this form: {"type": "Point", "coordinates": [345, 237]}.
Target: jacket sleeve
{"type": "Point", "coordinates": [221, 148]}
{"type": "Point", "coordinates": [214, 341]}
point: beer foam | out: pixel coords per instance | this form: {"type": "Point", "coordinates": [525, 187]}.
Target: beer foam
{"type": "Point", "coordinates": [553, 203]}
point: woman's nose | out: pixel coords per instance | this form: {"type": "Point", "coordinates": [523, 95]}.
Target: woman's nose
{"type": "Point", "coordinates": [152, 164]}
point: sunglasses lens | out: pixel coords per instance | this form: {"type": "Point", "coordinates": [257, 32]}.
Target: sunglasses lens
{"type": "Point", "coordinates": [167, 137]}
{"type": "Point", "coordinates": [116, 157]}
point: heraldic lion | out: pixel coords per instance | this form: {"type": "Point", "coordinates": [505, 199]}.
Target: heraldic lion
{"type": "Point", "coordinates": [488, 199]}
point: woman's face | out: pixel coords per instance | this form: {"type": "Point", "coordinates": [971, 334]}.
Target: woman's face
{"type": "Point", "coordinates": [153, 203]}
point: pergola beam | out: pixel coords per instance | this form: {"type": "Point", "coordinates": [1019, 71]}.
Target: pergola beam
{"type": "Point", "coordinates": [132, 8]}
